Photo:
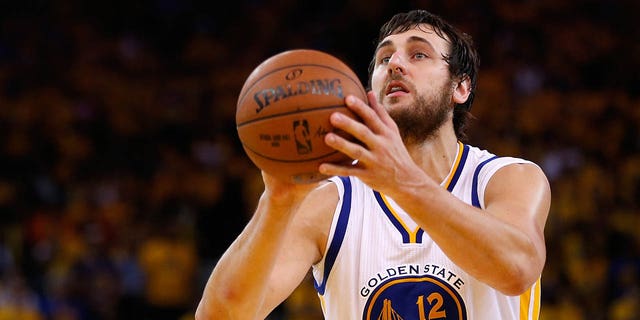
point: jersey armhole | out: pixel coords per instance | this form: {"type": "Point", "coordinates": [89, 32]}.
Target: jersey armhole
{"type": "Point", "coordinates": [322, 269]}
{"type": "Point", "coordinates": [485, 171]}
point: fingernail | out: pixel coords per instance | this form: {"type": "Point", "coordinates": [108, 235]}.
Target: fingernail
{"type": "Point", "coordinates": [350, 99]}
{"type": "Point", "coordinates": [328, 138]}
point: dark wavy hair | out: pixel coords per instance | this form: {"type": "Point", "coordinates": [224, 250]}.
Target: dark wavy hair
{"type": "Point", "coordinates": [463, 59]}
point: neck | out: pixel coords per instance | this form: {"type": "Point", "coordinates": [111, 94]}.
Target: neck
{"type": "Point", "coordinates": [436, 155]}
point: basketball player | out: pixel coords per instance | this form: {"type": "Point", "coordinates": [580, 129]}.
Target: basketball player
{"type": "Point", "coordinates": [422, 227]}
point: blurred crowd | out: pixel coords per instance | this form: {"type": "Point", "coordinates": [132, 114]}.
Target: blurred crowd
{"type": "Point", "coordinates": [122, 180]}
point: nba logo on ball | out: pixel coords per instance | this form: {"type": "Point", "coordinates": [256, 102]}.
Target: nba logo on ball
{"type": "Point", "coordinates": [283, 110]}
{"type": "Point", "coordinates": [301, 134]}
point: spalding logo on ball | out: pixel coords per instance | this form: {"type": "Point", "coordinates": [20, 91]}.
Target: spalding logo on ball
{"type": "Point", "coordinates": [283, 112]}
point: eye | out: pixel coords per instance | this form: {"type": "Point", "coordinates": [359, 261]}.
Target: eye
{"type": "Point", "coordinates": [383, 56]}
{"type": "Point", "coordinates": [420, 55]}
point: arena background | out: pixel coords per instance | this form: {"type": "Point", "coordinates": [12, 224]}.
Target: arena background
{"type": "Point", "coordinates": [122, 180]}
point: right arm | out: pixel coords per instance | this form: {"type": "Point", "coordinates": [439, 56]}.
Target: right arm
{"type": "Point", "coordinates": [272, 255]}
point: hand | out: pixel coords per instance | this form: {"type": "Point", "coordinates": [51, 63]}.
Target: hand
{"type": "Point", "coordinates": [383, 161]}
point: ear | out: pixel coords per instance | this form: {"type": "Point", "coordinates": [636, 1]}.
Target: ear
{"type": "Point", "coordinates": [462, 90]}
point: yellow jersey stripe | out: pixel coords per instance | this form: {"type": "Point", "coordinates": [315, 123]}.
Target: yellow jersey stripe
{"type": "Point", "coordinates": [412, 234]}
{"type": "Point", "coordinates": [455, 165]}
{"type": "Point", "coordinates": [536, 301]}
{"type": "Point", "coordinates": [530, 303]}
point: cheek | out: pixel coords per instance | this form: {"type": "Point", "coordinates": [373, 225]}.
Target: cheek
{"type": "Point", "coordinates": [377, 80]}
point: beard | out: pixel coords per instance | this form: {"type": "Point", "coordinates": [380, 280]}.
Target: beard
{"type": "Point", "coordinates": [420, 122]}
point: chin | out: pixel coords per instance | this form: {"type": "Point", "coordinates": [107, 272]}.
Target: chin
{"type": "Point", "coordinates": [393, 100]}
{"type": "Point", "coordinates": [396, 102]}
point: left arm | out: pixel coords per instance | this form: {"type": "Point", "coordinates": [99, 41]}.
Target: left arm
{"type": "Point", "coordinates": [502, 245]}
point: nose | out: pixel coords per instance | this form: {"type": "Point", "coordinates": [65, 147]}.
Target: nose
{"type": "Point", "coordinates": [396, 64]}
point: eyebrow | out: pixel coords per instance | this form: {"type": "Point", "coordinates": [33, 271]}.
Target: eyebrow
{"type": "Point", "coordinates": [387, 43]}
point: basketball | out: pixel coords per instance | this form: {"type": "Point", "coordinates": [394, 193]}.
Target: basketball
{"type": "Point", "coordinates": [283, 109]}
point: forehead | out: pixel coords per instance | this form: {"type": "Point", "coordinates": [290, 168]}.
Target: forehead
{"type": "Point", "coordinates": [422, 33]}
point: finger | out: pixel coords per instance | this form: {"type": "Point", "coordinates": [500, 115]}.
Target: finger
{"type": "Point", "coordinates": [379, 109]}
{"type": "Point", "coordinates": [353, 127]}
{"type": "Point", "coordinates": [331, 169]}
{"type": "Point", "coordinates": [366, 113]}
{"type": "Point", "coordinates": [351, 149]}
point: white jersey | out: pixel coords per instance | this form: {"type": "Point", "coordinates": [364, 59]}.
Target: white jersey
{"type": "Point", "coordinates": [380, 265]}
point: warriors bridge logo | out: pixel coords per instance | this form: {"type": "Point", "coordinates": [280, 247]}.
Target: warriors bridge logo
{"type": "Point", "coordinates": [415, 297]}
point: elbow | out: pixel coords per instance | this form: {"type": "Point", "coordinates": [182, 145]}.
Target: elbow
{"type": "Point", "coordinates": [518, 280]}
{"type": "Point", "coordinates": [515, 287]}
{"type": "Point", "coordinates": [523, 272]}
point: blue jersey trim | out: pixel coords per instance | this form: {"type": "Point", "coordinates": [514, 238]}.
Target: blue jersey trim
{"type": "Point", "coordinates": [338, 237]}
{"type": "Point", "coordinates": [406, 237]}
{"type": "Point", "coordinates": [475, 201]}
{"type": "Point", "coordinates": [458, 172]}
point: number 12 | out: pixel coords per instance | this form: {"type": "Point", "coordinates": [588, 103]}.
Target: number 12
{"type": "Point", "coordinates": [436, 311]}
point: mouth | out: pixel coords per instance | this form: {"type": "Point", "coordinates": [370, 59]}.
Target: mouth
{"type": "Point", "coordinates": [396, 88]}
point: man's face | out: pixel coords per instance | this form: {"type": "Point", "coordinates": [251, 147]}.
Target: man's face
{"type": "Point", "coordinates": [412, 80]}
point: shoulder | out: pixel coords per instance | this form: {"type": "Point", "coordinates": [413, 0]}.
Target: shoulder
{"type": "Point", "coordinates": [518, 169]}
{"type": "Point", "coordinates": [487, 164]}
{"type": "Point", "coordinates": [522, 181]}
{"type": "Point", "coordinates": [510, 179]}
